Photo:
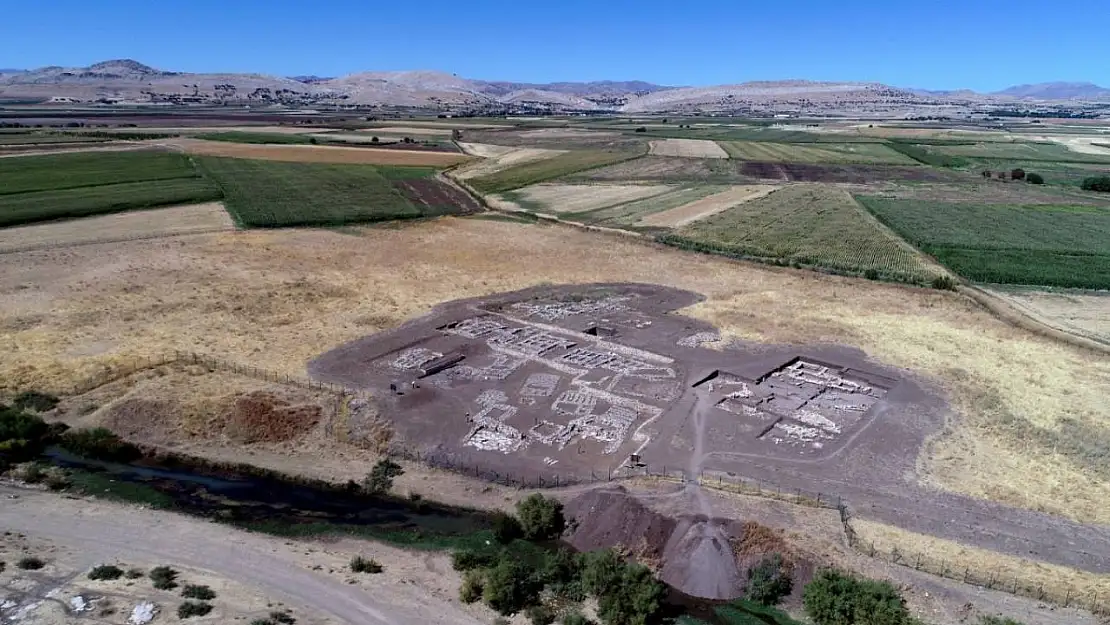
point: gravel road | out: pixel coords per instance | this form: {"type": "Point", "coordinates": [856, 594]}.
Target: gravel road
{"type": "Point", "coordinates": [277, 567]}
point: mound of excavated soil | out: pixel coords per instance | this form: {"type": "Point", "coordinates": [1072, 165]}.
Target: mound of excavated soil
{"type": "Point", "coordinates": [701, 557]}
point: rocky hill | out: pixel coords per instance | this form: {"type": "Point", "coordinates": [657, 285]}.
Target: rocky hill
{"type": "Point", "coordinates": [1058, 91]}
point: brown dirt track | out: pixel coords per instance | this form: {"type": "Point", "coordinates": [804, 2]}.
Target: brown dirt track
{"type": "Point", "coordinates": [319, 153]}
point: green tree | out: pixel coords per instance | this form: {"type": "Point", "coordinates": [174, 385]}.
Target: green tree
{"type": "Point", "coordinates": [506, 528]}
{"type": "Point", "coordinates": [381, 476]}
{"type": "Point", "coordinates": [1034, 178]}
{"type": "Point", "coordinates": [635, 601]}
{"type": "Point", "coordinates": [601, 574]}
{"type": "Point", "coordinates": [838, 598]}
{"type": "Point", "coordinates": [1097, 183]}
{"type": "Point", "coordinates": [509, 586]}
{"type": "Point", "coordinates": [541, 518]}
{"type": "Point", "coordinates": [769, 581]}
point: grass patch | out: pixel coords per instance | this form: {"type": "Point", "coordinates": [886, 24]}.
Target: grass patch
{"type": "Point", "coordinates": [256, 138]}
{"type": "Point", "coordinates": [39, 206]}
{"type": "Point", "coordinates": [71, 171]}
{"type": "Point", "coordinates": [547, 169]}
{"type": "Point", "coordinates": [273, 194]}
{"type": "Point", "coordinates": [807, 225]}
{"type": "Point", "coordinates": [1036, 245]}
{"type": "Point", "coordinates": [928, 155]}
{"type": "Point", "coordinates": [100, 485]}
{"type": "Point", "coordinates": [628, 214]}
{"type": "Point", "coordinates": [407, 538]}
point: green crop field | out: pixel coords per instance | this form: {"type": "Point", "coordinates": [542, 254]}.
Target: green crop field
{"type": "Point", "coordinates": [271, 194]}
{"type": "Point", "coordinates": [1011, 244]}
{"type": "Point", "coordinates": [86, 169]}
{"type": "Point", "coordinates": [851, 153]}
{"type": "Point", "coordinates": [1054, 173]}
{"type": "Point", "coordinates": [1023, 151]}
{"type": "Point", "coordinates": [548, 169]}
{"type": "Point", "coordinates": [255, 137]}
{"type": "Point", "coordinates": [628, 214]}
{"type": "Point", "coordinates": [34, 138]}
{"type": "Point", "coordinates": [808, 225]}
{"type": "Point", "coordinates": [60, 186]}
{"type": "Point", "coordinates": [21, 208]}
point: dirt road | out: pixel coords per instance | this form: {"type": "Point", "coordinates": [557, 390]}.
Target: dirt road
{"type": "Point", "coordinates": [277, 567]}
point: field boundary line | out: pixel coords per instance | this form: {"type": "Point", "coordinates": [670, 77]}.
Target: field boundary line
{"type": "Point", "coordinates": [1014, 316]}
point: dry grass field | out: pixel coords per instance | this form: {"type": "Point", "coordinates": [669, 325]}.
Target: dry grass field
{"type": "Point", "coordinates": [707, 206]}
{"type": "Point", "coordinates": [1086, 313]}
{"type": "Point", "coordinates": [574, 198]}
{"type": "Point", "coordinates": [689, 148]}
{"type": "Point", "coordinates": [498, 158]}
{"type": "Point", "coordinates": [278, 298]}
{"type": "Point", "coordinates": [320, 154]}
{"type": "Point", "coordinates": [162, 222]}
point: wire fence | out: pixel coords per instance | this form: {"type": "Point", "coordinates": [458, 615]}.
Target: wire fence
{"type": "Point", "coordinates": [1061, 594]}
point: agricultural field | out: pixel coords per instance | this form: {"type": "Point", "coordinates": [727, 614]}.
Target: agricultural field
{"type": "Point", "coordinates": [322, 154]}
{"type": "Point", "coordinates": [35, 138]}
{"type": "Point", "coordinates": [847, 153]}
{"type": "Point", "coordinates": [43, 188]}
{"type": "Point", "coordinates": [706, 206]}
{"type": "Point", "coordinates": [537, 171]}
{"type": "Point", "coordinates": [268, 194]}
{"type": "Point", "coordinates": [1021, 151]}
{"type": "Point", "coordinates": [1038, 244]}
{"type": "Point", "coordinates": [126, 226]}
{"type": "Point", "coordinates": [1083, 313]}
{"type": "Point", "coordinates": [571, 198]}
{"type": "Point", "coordinates": [631, 214]}
{"type": "Point", "coordinates": [808, 225]}
{"type": "Point", "coordinates": [261, 138]}
{"type": "Point", "coordinates": [689, 148]}
{"type": "Point", "coordinates": [495, 158]}
{"type": "Point", "coordinates": [731, 171]}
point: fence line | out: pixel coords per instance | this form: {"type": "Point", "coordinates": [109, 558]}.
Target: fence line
{"type": "Point", "coordinates": [456, 463]}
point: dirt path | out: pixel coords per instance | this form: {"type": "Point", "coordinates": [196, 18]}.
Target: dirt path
{"type": "Point", "coordinates": [278, 567]}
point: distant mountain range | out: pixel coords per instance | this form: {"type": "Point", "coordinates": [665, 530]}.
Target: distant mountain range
{"type": "Point", "coordinates": [125, 80]}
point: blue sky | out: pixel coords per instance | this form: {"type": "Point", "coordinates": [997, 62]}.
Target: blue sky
{"type": "Point", "coordinates": [938, 44]}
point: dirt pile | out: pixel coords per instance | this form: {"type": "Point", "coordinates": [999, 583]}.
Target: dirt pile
{"type": "Point", "coordinates": [261, 416]}
{"type": "Point", "coordinates": [701, 557]}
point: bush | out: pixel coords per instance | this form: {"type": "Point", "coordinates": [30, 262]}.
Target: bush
{"type": "Point", "coordinates": [284, 618]}
{"type": "Point", "coordinates": [540, 615]}
{"type": "Point", "coordinates": [769, 581]}
{"type": "Point", "coordinates": [998, 620]}
{"type": "Point", "coordinates": [134, 573]}
{"type": "Point", "coordinates": [99, 444]}
{"type": "Point", "coordinates": [575, 618]}
{"type": "Point", "coordinates": [34, 400]}
{"type": "Point", "coordinates": [360, 564]}
{"type": "Point", "coordinates": [838, 598]}
{"type": "Point", "coordinates": [641, 129]}
{"type": "Point", "coordinates": [471, 589]}
{"type": "Point", "coordinates": [1097, 183]}
{"type": "Point", "coordinates": [541, 518]}
{"type": "Point", "coordinates": [871, 274]}
{"type": "Point", "coordinates": [23, 436]}
{"type": "Point", "coordinates": [194, 591]}
{"type": "Point", "coordinates": [162, 577]}
{"type": "Point", "coordinates": [380, 480]}
{"type": "Point", "coordinates": [106, 571]}
{"type": "Point", "coordinates": [509, 586]}
{"type": "Point", "coordinates": [30, 563]}
{"type": "Point", "coordinates": [470, 559]}
{"type": "Point", "coordinates": [506, 528]}
{"type": "Point", "coordinates": [635, 601]}
{"type": "Point", "coordinates": [190, 609]}
{"type": "Point", "coordinates": [562, 575]}
{"type": "Point", "coordinates": [1034, 178]}
{"type": "Point", "coordinates": [944, 283]}
{"type": "Point", "coordinates": [1017, 174]}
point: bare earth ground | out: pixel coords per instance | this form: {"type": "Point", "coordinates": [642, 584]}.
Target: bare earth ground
{"type": "Point", "coordinates": [277, 299]}
{"type": "Point", "coordinates": [1084, 313]}
{"type": "Point", "coordinates": [498, 158]}
{"type": "Point", "coordinates": [573, 198]}
{"type": "Point", "coordinates": [689, 148]}
{"type": "Point", "coordinates": [707, 206]}
{"type": "Point", "coordinates": [248, 571]}
{"type": "Point", "coordinates": [317, 153]}
{"type": "Point", "coordinates": [160, 222]}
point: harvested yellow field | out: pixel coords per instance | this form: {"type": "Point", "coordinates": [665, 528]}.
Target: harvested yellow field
{"type": "Point", "coordinates": [1086, 314]}
{"type": "Point", "coordinates": [160, 222]}
{"type": "Point", "coordinates": [320, 153]}
{"type": "Point", "coordinates": [276, 299]}
{"type": "Point", "coordinates": [707, 206]}
{"type": "Point", "coordinates": [422, 131]}
{"type": "Point", "coordinates": [499, 157]}
{"type": "Point", "coordinates": [689, 148]}
{"type": "Point", "coordinates": [575, 198]}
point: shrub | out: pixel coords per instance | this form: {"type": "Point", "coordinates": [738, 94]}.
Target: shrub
{"type": "Point", "coordinates": [190, 609]}
{"type": "Point", "coordinates": [22, 435]}
{"type": "Point", "coordinates": [769, 581]}
{"type": "Point", "coordinates": [641, 129]}
{"type": "Point", "coordinates": [871, 274]}
{"type": "Point", "coordinates": [360, 564]}
{"type": "Point", "coordinates": [601, 573]}
{"type": "Point", "coordinates": [134, 573]}
{"type": "Point", "coordinates": [944, 283]}
{"type": "Point", "coordinates": [30, 563]}
{"type": "Point", "coordinates": [838, 598]}
{"type": "Point", "coordinates": [506, 528]}
{"type": "Point", "coordinates": [106, 571]}
{"type": "Point", "coordinates": [162, 577]}
{"type": "Point", "coordinates": [470, 559]}
{"type": "Point", "coordinates": [262, 621]}
{"type": "Point", "coordinates": [1097, 183]}
{"type": "Point", "coordinates": [99, 444]}
{"type": "Point", "coordinates": [194, 591]}
{"type": "Point", "coordinates": [541, 518]}
{"type": "Point", "coordinates": [3, 565]}
{"type": "Point", "coordinates": [636, 599]}
{"type": "Point", "coordinates": [562, 575]}
{"type": "Point", "coordinates": [509, 586]}
{"type": "Point", "coordinates": [540, 615]}
{"type": "Point", "coordinates": [575, 618]}
{"type": "Point", "coordinates": [471, 589]}
{"type": "Point", "coordinates": [381, 476]}
{"type": "Point", "coordinates": [1033, 178]}
{"type": "Point", "coordinates": [998, 620]}
{"type": "Point", "coordinates": [1017, 174]}
{"type": "Point", "coordinates": [284, 618]}
{"type": "Point", "coordinates": [34, 400]}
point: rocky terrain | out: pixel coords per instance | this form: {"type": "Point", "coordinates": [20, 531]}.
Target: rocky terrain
{"type": "Point", "coordinates": [128, 81]}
